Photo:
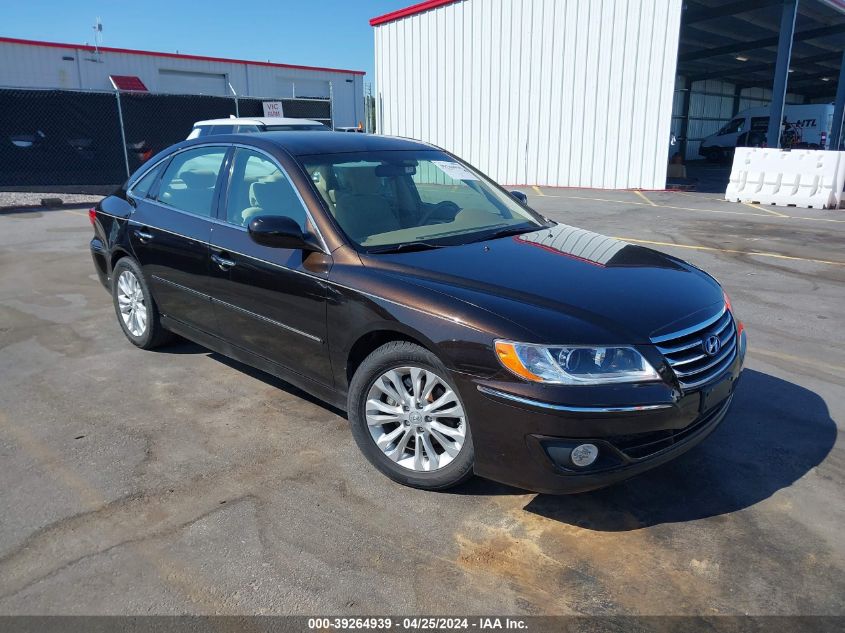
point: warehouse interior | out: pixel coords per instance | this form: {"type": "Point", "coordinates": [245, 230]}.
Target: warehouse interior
{"type": "Point", "coordinates": [735, 54]}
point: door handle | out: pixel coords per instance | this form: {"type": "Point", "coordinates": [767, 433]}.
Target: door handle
{"type": "Point", "coordinates": [222, 262]}
{"type": "Point", "coordinates": [143, 236]}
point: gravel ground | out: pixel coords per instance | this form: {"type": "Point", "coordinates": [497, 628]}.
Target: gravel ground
{"type": "Point", "coordinates": [24, 199]}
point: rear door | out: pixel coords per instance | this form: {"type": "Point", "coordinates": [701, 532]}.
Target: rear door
{"type": "Point", "coordinates": [170, 232]}
{"type": "Point", "coordinates": [269, 301]}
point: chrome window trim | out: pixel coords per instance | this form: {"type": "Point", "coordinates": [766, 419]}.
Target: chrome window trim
{"type": "Point", "coordinates": [569, 408]}
{"type": "Point", "coordinates": [216, 220]}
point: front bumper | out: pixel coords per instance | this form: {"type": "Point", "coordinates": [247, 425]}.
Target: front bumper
{"type": "Point", "coordinates": [524, 439]}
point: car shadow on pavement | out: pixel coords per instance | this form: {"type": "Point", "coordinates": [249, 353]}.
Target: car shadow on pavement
{"type": "Point", "coordinates": [773, 435]}
{"type": "Point", "coordinates": [183, 346]}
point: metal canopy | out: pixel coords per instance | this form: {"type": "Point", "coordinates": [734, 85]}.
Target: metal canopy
{"type": "Point", "coordinates": [737, 42]}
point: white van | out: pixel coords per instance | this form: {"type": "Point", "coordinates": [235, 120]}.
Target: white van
{"type": "Point", "coordinates": [805, 126]}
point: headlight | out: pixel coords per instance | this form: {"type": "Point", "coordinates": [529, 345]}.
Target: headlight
{"type": "Point", "coordinates": [574, 365]}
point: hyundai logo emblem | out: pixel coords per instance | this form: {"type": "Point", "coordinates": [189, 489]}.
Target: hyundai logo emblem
{"type": "Point", "coordinates": [712, 344]}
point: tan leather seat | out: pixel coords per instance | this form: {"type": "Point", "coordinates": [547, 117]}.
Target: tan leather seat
{"type": "Point", "coordinates": [361, 207]}
{"type": "Point", "coordinates": [197, 195]}
{"type": "Point", "coordinates": [274, 195]}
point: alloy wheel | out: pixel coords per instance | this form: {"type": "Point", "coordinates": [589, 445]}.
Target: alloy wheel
{"type": "Point", "coordinates": [415, 418]}
{"type": "Point", "coordinates": [130, 301]}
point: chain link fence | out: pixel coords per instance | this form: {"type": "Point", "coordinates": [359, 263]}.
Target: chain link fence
{"type": "Point", "coordinates": [78, 138]}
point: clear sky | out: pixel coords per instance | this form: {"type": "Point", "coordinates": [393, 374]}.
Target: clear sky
{"type": "Point", "coordinates": [334, 33]}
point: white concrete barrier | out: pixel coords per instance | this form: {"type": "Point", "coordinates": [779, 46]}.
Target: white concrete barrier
{"type": "Point", "coordinates": [799, 177]}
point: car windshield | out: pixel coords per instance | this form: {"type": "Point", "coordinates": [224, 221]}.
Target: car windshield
{"type": "Point", "coordinates": [296, 128]}
{"type": "Point", "coordinates": [393, 200]}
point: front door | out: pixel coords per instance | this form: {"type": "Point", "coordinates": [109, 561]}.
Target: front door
{"type": "Point", "coordinates": [170, 231]}
{"type": "Point", "coordinates": [269, 301]}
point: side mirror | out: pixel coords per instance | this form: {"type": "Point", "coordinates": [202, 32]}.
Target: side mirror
{"type": "Point", "coordinates": [279, 231]}
{"type": "Point", "coordinates": [520, 197]}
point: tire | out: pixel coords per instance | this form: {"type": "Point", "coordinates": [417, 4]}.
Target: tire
{"type": "Point", "coordinates": [714, 155]}
{"type": "Point", "coordinates": [128, 283]}
{"type": "Point", "coordinates": [418, 430]}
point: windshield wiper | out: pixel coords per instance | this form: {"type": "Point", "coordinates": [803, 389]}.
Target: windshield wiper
{"type": "Point", "coordinates": [505, 232]}
{"type": "Point", "coordinates": [407, 246]}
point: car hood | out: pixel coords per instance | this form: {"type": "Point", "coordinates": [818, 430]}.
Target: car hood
{"type": "Point", "coordinates": [547, 280]}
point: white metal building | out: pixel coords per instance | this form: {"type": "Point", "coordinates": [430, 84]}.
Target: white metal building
{"type": "Point", "coordinates": [535, 92]}
{"type": "Point", "coordinates": [589, 94]}
{"type": "Point", "coordinates": [34, 64]}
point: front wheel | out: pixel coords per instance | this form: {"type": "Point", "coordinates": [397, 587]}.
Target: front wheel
{"type": "Point", "coordinates": [408, 418]}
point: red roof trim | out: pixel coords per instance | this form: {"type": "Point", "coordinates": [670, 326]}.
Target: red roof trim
{"type": "Point", "coordinates": [130, 51]}
{"type": "Point", "coordinates": [413, 10]}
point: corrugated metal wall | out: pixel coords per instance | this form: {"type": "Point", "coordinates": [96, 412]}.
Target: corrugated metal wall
{"type": "Point", "coordinates": [712, 104]}
{"type": "Point", "coordinates": [536, 92]}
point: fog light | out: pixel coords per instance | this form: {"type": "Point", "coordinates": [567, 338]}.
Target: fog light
{"type": "Point", "coordinates": [584, 454]}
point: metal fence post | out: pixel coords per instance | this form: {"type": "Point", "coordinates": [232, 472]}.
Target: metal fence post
{"type": "Point", "coordinates": [235, 95]}
{"type": "Point", "coordinates": [122, 133]}
{"type": "Point", "coordinates": [331, 103]}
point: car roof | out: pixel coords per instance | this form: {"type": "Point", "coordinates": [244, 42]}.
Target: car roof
{"type": "Point", "coordinates": [262, 120]}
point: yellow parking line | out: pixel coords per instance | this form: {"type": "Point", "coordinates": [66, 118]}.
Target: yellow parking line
{"type": "Point", "coordinates": [798, 217]}
{"type": "Point", "coordinates": [84, 215]}
{"type": "Point", "coordinates": [643, 196]}
{"type": "Point", "coordinates": [663, 206]}
{"type": "Point", "coordinates": [730, 250]}
{"type": "Point", "coordinates": [537, 189]}
{"type": "Point", "coordinates": [757, 206]}
{"type": "Point", "coordinates": [797, 359]}
{"type": "Point", "coordinates": [723, 211]}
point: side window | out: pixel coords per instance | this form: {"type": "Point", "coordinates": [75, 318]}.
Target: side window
{"type": "Point", "coordinates": [189, 181]}
{"type": "Point", "coordinates": [258, 187]}
{"type": "Point", "coordinates": [733, 126]}
{"type": "Point", "coordinates": [142, 186]}
{"type": "Point", "coordinates": [759, 123]}
{"type": "Point", "coordinates": [247, 129]}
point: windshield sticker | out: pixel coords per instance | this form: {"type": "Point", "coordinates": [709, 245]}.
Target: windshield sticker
{"type": "Point", "coordinates": [456, 171]}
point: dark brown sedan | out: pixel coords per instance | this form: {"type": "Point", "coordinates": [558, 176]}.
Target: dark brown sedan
{"type": "Point", "coordinates": [463, 332]}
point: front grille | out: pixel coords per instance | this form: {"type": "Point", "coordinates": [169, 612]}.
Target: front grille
{"type": "Point", "coordinates": [684, 351]}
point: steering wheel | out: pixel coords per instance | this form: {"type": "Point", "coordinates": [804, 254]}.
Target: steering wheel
{"type": "Point", "coordinates": [446, 207]}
